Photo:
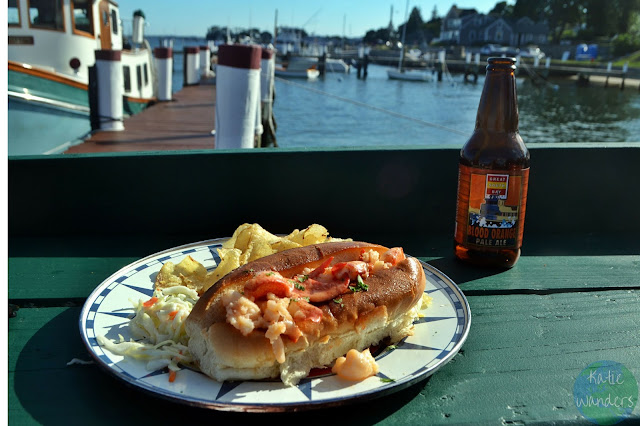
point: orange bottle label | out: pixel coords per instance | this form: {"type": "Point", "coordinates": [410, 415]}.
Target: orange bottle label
{"type": "Point", "coordinates": [491, 207]}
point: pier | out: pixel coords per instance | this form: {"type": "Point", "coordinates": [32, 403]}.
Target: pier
{"type": "Point", "coordinates": [584, 75]}
{"type": "Point", "coordinates": [186, 122]}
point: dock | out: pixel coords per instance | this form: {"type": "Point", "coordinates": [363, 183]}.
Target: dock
{"type": "Point", "coordinates": [184, 123]}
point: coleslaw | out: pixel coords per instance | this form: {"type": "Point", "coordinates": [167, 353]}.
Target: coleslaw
{"type": "Point", "coordinates": [159, 331]}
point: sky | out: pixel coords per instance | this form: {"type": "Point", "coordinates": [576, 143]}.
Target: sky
{"type": "Point", "coordinates": [351, 18]}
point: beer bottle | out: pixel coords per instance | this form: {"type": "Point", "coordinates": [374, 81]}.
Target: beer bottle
{"type": "Point", "coordinates": [493, 176]}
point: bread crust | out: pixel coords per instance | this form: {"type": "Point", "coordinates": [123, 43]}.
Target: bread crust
{"type": "Point", "coordinates": [391, 294]}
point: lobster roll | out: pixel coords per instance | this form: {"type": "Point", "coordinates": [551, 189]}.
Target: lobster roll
{"type": "Point", "coordinates": [302, 308]}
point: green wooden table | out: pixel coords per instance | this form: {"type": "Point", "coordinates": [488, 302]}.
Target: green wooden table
{"type": "Point", "coordinates": [572, 299]}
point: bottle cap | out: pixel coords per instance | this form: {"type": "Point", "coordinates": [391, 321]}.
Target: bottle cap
{"type": "Point", "coordinates": [500, 63]}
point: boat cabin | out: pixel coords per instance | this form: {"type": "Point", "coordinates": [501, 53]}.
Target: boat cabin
{"type": "Point", "coordinates": [58, 39]}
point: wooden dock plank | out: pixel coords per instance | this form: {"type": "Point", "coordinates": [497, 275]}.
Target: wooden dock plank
{"type": "Point", "coordinates": [184, 123]}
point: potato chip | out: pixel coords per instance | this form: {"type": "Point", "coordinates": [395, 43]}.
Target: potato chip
{"type": "Point", "coordinates": [284, 244]}
{"type": "Point", "coordinates": [248, 243]}
{"type": "Point", "coordinates": [229, 260]}
{"type": "Point", "coordinates": [189, 273]}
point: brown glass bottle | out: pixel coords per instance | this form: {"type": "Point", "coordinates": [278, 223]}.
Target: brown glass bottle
{"type": "Point", "coordinates": [493, 176]}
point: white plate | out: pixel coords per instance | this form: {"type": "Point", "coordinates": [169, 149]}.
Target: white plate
{"type": "Point", "coordinates": [437, 338]}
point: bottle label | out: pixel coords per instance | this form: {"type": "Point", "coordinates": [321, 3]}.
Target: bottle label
{"type": "Point", "coordinates": [491, 207]}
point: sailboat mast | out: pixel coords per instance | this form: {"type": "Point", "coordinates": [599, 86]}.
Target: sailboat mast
{"type": "Point", "coordinates": [404, 34]}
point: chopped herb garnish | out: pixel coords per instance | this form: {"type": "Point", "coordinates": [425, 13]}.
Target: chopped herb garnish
{"type": "Point", "coordinates": [338, 301]}
{"type": "Point", "coordinates": [302, 278]}
{"type": "Point", "coordinates": [299, 286]}
{"type": "Point", "coordinates": [270, 273]}
{"type": "Point", "coordinates": [391, 347]}
{"type": "Point", "coordinates": [360, 286]}
{"type": "Point", "coordinates": [386, 380]}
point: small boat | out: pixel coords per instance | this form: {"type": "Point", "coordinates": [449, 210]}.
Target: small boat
{"type": "Point", "coordinates": [52, 44]}
{"type": "Point", "coordinates": [336, 65]}
{"type": "Point", "coordinates": [310, 73]}
{"type": "Point", "coordinates": [298, 67]}
{"type": "Point", "coordinates": [410, 75]}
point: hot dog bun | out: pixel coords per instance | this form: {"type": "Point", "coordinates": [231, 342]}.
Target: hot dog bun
{"type": "Point", "coordinates": [352, 320]}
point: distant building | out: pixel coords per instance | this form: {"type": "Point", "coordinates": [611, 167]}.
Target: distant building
{"type": "Point", "coordinates": [452, 23]}
{"type": "Point", "coordinates": [468, 27]}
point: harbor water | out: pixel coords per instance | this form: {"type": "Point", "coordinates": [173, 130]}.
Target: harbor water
{"type": "Point", "coordinates": [340, 110]}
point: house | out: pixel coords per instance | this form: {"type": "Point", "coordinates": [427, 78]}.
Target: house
{"type": "Point", "coordinates": [468, 27]}
{"type": "Point", "coordinates": [529, 32]}
{"type": "Point", "coordinates": [452, 23]}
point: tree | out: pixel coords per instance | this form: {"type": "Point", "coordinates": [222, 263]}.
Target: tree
{"type": "Point", "coordinates": [559, 14]}
{"type": "Point", "coordinates": [600, 18]}
{"type": "Point", "coordinates": [529, 8]}
{"type": "Point", "coordinates": [628, 13]}
{"type": "Point", "coordinates": [502, 9]}
{"type": "Point", "coordinates": [415, 27]}
{"type": "Point", "coordinates": [381, 35]}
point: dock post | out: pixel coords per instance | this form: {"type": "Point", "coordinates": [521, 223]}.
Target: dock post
{"type": "Point", "coordinates": [365, 66]}
{"type": "Point", "coordinates": [237, 95]}
{"type": "Point", "coordinates": [322, 63]}
{"type": "Point", "coordinates": [267, 78]}
{"type": "Point", "coordinates": [205, 61]}
{"type": "Point", "coordinates": [110, 89]}
{"type": "Point", "coordinates": [164, 65]}
{"type": "Point", "coordinates": [191, 65]}
{"type": "Point", "coordinates": [441, 58]}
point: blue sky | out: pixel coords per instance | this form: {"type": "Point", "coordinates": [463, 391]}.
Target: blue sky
{"type": "Point", "coordinates": [324, 17]}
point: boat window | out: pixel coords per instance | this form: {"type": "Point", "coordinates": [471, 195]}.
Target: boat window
{"type": "Point", "coordinates": [114, 21]}
{"type": "Point", "coordinates": [146, 75]}
{"type": "Point", "coordinates": [126, 71]}
{"type": "Point", "coordinates": [46, 14]}
{"type": "Point", "coordinates": [139, 76]}
{"type": "Point", "coordinates": [82, 16]}
{"type": "Point", "coordinates": [13, 14]}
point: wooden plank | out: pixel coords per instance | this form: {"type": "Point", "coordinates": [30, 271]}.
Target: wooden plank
{"type": "Point", "coordinates": [51, 280]}
{"type": "Point", "coordinates": [518, 365]}
{"type": "Point", "coordinates": [401, 191]}
{"type": "Point", "coordinates": [184, 123]}
{"type": "Point", "coordinates": [523, 355]}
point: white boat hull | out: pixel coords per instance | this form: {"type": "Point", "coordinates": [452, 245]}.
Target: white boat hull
{"type": "Point", "coordinates": [308, 74]}
{"type": "Point", "coordinates": [410, 75]}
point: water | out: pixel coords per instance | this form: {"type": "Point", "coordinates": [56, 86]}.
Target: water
{"type": "Point", "coordinates": [341, 110]}
{"type": "Point", "coordinates": [561, 112]}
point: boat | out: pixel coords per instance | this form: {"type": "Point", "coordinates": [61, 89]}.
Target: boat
{"type": "Point", "coordinates": [336, 65]}
{"type": "Point", "coordinates": [309, 73]}
{"type": "Point", "coordinates": [408, 74]}
{"type": "Point", "coordinates": [52, 44]}
{"type": "Point", "coordinates": [298, 67]}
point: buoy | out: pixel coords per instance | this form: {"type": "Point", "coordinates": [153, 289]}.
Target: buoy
{"type": "Point", "coordinates": [110, 89]}
{"type": "Point", "coordinates": [237, 95]}
{"type": "Point", "coordinates": [164, 67]}
{"type": "Point", "coordinates": [191, 65]}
